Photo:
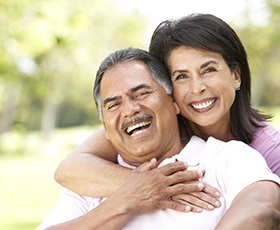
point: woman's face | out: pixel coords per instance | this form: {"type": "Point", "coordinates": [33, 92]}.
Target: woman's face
{"type": "Point", "coordinates": [204, 87]}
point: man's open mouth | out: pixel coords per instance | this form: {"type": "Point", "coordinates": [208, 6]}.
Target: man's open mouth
{"type": "Point", "coordinates": [137, 127]}
{"type": "Point", "coordinates": [137, 123]}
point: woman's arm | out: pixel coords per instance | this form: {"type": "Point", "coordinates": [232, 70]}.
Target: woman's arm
{"type": "Point", "coordinates": [255, 207]}
{"type": "Point", "coordinates": [89, 169]}
{"type": "Point", "coordinates": [139, 193]}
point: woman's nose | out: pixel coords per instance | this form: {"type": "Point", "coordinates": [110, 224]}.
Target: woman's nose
{"type": "Point", "coordinates": [197, 86]}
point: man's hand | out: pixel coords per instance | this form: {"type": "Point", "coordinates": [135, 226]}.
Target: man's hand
{"type": "Point", "coordinates": [148, 188]}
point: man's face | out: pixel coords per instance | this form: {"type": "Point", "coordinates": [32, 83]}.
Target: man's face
{"type": "Point", "coordinates": [140, 118]}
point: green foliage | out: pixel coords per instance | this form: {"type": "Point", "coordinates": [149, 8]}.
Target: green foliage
{"type": "Point", "coordinates": [50, 51]}
{"type": "Point", "coordinates": [262, 44]}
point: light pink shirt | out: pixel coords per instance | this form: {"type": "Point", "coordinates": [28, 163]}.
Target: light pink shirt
{"type": "Point", "coordinates": [227, 169]}
{"type": "Point", "coordinates": [267, 142]}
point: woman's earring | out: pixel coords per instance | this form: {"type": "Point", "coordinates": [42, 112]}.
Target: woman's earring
{"type": "Point", "coordinates": [238, 88]}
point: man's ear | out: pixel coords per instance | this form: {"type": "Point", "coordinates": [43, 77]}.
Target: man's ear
{"type": "Point", "coordinates": [177, 109]}
{"type": "Point", "coordinates": [106, 134]}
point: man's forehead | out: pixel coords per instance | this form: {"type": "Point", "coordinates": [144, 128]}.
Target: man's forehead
{"type": "Point", "coordinates": [126, 76]}
{"type": "Point", "coordinates": [119, 89]}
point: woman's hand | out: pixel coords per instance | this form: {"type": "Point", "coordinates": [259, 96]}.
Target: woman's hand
{"type": "Point", "coordinates": [148, 188]}
{"type": "Point", "coordinates": [206, 199]}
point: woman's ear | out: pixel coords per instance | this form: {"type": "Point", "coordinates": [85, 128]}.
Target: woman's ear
{"type": "Point", "coordinates": [237, 77]}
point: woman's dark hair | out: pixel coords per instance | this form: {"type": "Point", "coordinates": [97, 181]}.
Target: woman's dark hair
{"type": "Point", "coordinates": [207, 32]}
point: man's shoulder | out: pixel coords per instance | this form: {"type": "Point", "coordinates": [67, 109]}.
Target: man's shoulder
{"type": "Point", "coordinates": [229, 150]}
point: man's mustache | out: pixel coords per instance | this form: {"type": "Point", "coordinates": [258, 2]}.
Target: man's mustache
{"type": "Point", "coordinates": [135, 119]}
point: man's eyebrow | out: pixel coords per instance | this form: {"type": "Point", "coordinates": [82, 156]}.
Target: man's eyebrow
{"type": "Point", "coordinates": [109, 99]}
{"type": "Point", "coordinates": [141, 86]}
{"type": "Point", "coordinates": [132, 90]}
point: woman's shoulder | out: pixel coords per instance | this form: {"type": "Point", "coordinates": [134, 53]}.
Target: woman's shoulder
{"type": "Point", "coordinates": [267, 142]}
{"type": "Point", "coordinates": [267, 133]}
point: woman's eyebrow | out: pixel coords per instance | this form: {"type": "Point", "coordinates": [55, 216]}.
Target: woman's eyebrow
{"type": "Point", "coordinates": [179, 71]}
{"type": "Point", "coordinates": [208, 63]}
{"type": "Point", "coordinates": [202, 66]}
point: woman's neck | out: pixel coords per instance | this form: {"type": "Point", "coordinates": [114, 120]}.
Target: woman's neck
{"type": "Point", "coordinates": [219, 132]}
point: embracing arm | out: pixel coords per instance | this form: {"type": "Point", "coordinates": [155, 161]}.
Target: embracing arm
{"type": "Point", "coordinates": [255, 207]}
{"type": "Point", "coordinates": [141, 190]}
{"type": "Point", "coordinates": [90, 169]}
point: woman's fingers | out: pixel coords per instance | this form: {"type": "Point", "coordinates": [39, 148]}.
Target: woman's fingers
{"type": "Point", "coordinates": [198, 201]}
{"type": "Point", "coordinates": [171, 186]}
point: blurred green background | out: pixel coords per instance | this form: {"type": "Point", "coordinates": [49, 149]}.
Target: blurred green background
{"type": "Point", "coordinates": [49, 53]}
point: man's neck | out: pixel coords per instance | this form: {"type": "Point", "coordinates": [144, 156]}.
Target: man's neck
{"type": "Point", "coordinates": [174, 149]}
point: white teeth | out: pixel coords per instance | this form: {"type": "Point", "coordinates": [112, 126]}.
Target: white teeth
{"type": "Point", "coordinates": [203, 105]}
{"type": "Point", "coordinates": [141, 124]}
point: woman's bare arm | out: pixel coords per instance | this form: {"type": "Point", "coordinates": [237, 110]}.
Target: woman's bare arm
{"type": "Point", "coordinates": [90, 169]}
{"type": "Point", "coordinates": [255, 207]}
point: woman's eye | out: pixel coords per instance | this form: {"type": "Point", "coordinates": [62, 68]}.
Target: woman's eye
{"type": "Point", "coordinates": [181, 76]}
{"type": "Point", "coordinates": [209, 70]}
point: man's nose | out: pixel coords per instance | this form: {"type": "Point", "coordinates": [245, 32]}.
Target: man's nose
{"type": "Point", "coordinates": [130, 107]}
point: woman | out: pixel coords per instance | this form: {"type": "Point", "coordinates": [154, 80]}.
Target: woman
{"type": "Point", "coordinates": [175, 43]}
{"type": "Point", "coordinates": [224, 112]}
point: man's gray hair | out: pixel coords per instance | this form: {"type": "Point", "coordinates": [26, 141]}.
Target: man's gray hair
{"type": "Point", "coordinates": [158, 72]}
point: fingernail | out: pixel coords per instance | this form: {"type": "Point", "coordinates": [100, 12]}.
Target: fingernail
{"type": "Point", "coordinates": [218, 194]}
{"type": "Point", "coordinates": [200, 186]}
{"type": "Point", "coordinates": [200, 173]}
{"type": "Point", "coordinates": [211, 207]}
{"type": "Point", "coordinates": [188, 209]}
{"type": "Point", "coordinates": [217, 203]}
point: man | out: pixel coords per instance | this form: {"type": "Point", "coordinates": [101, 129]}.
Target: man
{"type": "Point", "coordinates": [133, 96]}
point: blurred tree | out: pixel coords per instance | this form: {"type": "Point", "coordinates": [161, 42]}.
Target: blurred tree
{"type": "Point", "coordinates": [49, 53]}
{"type": "Point", "coordinates": [261, 40]}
